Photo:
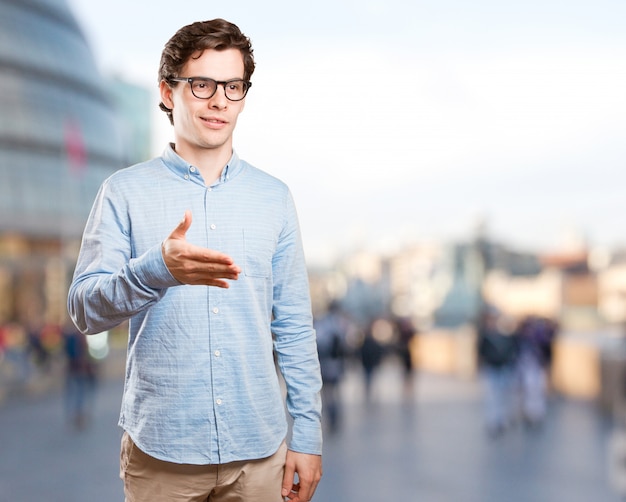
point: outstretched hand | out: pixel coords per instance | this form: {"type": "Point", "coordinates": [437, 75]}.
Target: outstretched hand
{"type": "Point", "coordinates": [191, 264]}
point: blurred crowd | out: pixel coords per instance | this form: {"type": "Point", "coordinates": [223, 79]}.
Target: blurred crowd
{"type": "Point", "coordinates": [342, 341]}
{"type": "Point", "coordinates": [514, 359]}
{"type": "Point", "coordinates": [40, 352]}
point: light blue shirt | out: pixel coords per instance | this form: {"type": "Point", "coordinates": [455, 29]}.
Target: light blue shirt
{"type": "Point", "coordinates": [201, 385]}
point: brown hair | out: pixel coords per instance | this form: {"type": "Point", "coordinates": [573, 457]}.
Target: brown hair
{"type": "Point", "coordinates": [217, 34]}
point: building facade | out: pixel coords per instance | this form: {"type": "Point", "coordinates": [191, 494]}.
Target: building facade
{"type": "Point", "coordinates": [59, 139]}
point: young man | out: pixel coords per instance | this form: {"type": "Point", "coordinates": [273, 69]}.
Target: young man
{"type": "Point", "coordinates": [210, 298]}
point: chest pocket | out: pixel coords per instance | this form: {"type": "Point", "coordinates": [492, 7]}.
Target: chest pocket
{"type": "Point", "coordinates": [258, 253]}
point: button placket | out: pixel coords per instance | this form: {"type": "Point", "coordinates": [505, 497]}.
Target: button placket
{"type": "Point", "coordinates": [219, 379]}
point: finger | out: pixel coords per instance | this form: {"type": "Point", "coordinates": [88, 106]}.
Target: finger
{"type": "Point", "coordinates": [288, 479]}
{"type": "Point", "coordinates": [210, 274]}
{"type": "Point", "coordinates": [218, 283]}
{"type": "Point", "coordinates": [307, 490]}
{"type": "Point", "coordinates": [230, 272]}
{"type": "Point", "coordinates": [210, 256]}
{"type": "Point", "coordinates": [181, 229]}
{"type": "Point", "coordinates": [295, 494]}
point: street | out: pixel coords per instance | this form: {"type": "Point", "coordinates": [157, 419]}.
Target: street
{"type": "Point", "coordinates": [431, 447]}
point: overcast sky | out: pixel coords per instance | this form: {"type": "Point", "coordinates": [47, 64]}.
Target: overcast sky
{"type": "Point", "coordinates": [396, 122]}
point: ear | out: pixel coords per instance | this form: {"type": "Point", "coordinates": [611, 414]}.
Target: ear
{"type": "Point", "coordinates": [166, 94]}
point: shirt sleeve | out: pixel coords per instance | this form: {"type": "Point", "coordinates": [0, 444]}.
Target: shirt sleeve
{"type": "Point", "coordinates": [110, 285]}
{"type": "Point", "coordinates": [294, 335]}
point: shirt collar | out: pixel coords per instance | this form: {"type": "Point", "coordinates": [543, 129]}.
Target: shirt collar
{"type": "Point", "coordinates": [180, 167]}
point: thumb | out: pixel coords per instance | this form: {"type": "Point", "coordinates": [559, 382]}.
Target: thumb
{"type": "Point", "coordinates": [181, 230]}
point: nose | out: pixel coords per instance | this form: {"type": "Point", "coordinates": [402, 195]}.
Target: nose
{"type": "Point", "coordinates": [219, 99]}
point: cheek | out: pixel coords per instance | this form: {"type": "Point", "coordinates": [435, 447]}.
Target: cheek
{"type": "Point", "coordinates": [236, 116]}
{"type": "Point", "coordinates": [182, 116]}
{"type": "Point", "coordinates": [233, 122]}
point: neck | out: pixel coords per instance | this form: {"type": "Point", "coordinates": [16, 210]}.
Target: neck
{"type": "Point", "coordinates": [209, 161]}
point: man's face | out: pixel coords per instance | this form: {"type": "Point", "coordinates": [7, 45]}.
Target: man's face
{"type": "Point", "coordinates": [205, 124]}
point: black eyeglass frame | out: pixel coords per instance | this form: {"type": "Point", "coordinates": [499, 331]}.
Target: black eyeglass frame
{"type": "Point", "coordinates": [246, 85]}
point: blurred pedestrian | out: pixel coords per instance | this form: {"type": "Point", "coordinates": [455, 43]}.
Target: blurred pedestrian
{"type": "Point", "coordinates": [331, 329]}
{"type": "Point", "coordinates": [498, 351]}
{"type": "Point", "coordinates": [16, 352]}
{"type": "Point", "coordinates": [371, 353]}
{"type": "Point", "coordinates": [211, 305]}
{"type": "Point", "coordinates": [407, 336]}
{"type": "Point", "coordinates": [536, 336]}
{"type": "Point", "coordinates": [3, 340]}
{"type": "Point", "coordinates": [36, 347]}
{"type": "Point", "coordinates": [80, 377]}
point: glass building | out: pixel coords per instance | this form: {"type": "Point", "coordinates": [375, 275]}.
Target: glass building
{"type": "Point", "coordinates": [60, 137]}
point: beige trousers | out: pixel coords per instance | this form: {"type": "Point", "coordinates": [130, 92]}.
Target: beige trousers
{"type": "Point", "coordinates": [147, 479]}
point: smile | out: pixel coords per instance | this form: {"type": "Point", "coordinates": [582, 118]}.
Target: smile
{"type": "Point", "coordinates": [213, 121]}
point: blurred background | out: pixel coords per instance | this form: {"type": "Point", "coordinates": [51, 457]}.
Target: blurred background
{"type": "Point", "coordinates": [448, 159]}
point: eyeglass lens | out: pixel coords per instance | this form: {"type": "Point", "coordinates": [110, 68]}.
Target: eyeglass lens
{"type": "Point", "coordinates": [205, 88]}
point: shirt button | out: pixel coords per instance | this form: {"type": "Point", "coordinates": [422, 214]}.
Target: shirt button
{"type": "Point", "coordinates": [186, 176]}
{"type": "Point", "coordinates": [192, 169]}
{"type": "Point", "coordinates": [215, 310]}
{"type": "Point", "coordinates": [217, 353]}
{"type": "Point", "coordinates": [213, 226]}
{"type": "Point", "coordinates": [218, 401]}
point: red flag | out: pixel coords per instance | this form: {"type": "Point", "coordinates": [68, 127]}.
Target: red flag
{"type": "Point", "coordinates": [75, 147]}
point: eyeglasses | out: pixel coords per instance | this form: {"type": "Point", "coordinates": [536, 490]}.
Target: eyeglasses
{"type": "Point", "coordinates": [204, 88]}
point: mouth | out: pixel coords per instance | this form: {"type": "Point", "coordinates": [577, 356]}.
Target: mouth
{"type": "Point", "coordinates": [213, 122]}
